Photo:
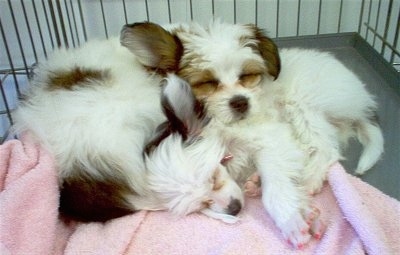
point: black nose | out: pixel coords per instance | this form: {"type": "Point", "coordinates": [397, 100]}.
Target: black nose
{"type": "Point", "coordinates": [234, 207]}
{"type": "Point", "coordinates": [239, 104]}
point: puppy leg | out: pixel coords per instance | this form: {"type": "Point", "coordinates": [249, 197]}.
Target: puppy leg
{"type": "Point", "coordinates": [283, 199]}
{"type": "Point", "coordinates": [318, 138]}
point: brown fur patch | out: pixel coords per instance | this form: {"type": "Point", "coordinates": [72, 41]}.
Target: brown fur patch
{"type": "Point", "coordinates": [156, 48]}
{"type": "Point", "coordinates": [203, 82]}
{"type": "Point", "coordinates": [268, 50]}
{"type": "Point", "coordinates": [75, 77]}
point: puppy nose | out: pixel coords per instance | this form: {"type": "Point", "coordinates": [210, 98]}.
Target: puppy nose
{"type": "Point", "coordinates": [234, 207]}
{"type": "Point", "coordinates": [239, 104]}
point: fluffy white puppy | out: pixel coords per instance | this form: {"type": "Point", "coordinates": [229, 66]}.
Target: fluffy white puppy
{"type": "Point", "coordinates": [285, 122]}
{"type": "Point", "coordinates": [288, 130]}
{"type": "Point", "coordinates": [96, 108]}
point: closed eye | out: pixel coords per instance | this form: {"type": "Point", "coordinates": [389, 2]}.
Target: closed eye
{"type": "Point", "coordinates": [216, 180]}
{"type": "Point", "coordinates": [205, 88]}
{"type": "Point", "coordinates": [250, 80]}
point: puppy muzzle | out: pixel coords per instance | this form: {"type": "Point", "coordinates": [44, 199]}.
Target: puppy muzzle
{"type": "Point", "coordinates": [234, 207]}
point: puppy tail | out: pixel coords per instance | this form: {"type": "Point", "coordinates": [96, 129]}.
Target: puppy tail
{"type": "Point", "coordinates": [370, 136]}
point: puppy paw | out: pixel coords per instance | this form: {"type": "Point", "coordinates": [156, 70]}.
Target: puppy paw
{"type": "Point", "coordinates": [252, 186]}
{"type": "Point", "coordinates": [317, 227]}
{"type": "Point", "coordinates": [297, 232]}
{"type": "Point", "coordinates": [314, 186]}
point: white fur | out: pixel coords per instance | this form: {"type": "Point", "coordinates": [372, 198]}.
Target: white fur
{"type": "Point", "coordinates": [105, 124]}
{"type": "Point", "coordinates": [316, 90]}
{"type": "Point", "coordinates": [295, 126]}
{"type": "Point", "coordinates": [290, 135]}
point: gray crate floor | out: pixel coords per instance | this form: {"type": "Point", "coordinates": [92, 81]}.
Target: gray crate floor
{"type": "Point", "coordinates": [382, 81]}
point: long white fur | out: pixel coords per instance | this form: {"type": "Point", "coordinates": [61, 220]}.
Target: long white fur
{"type": "Point", "coordinates": [106, 123]}
{"type": "Point", "coordinates": [291, 134]}
{"type": "Point", "coordinates": [296, 125]}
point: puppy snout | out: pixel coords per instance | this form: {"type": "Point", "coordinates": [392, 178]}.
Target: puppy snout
{"type": "Point", "coordinates": [234, 207]}
{"type": "Point", "coordinates": [239, 104]}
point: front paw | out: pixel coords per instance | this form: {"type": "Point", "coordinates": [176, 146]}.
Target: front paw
{"type": "Point", "coordinates": [296, 231]}
{"type": "Point", "coordinates": [299, 230]}
{"type": "Point", "coordinates": [252, 186]}
{"type": "Point", "coordinates": [317, 226]}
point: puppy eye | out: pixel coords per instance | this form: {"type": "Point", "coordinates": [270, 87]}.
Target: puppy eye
{"type": "Point", "coordinates": [205, 88]}
{"type": "Point", "coordinates": [217, 183]}
{"type": "Point", "coordinates": [207, 203]}
{"type": "Point", "coordinates": [250, 80]}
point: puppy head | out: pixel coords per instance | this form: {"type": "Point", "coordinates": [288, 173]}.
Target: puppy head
{"type": "Point", "coordinates": [184, 167]}
{"type": "Point", "coordinates": [226, 66]}
{"type": "Point", "coordinates": [224, 63]}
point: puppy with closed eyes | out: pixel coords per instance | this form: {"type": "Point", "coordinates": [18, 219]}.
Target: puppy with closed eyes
{"type": "Point", "coordinates": [97, 109]}
{"type": "Point", "coordinates": [285, 114]}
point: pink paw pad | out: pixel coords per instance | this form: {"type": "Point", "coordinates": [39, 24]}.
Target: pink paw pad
{"type": "Point", "coordinates": [317, 229]}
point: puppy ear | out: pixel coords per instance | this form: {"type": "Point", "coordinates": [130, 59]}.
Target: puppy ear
{"type": "Point", "coordinates": [186, 115]}
{"type": "Point", "coordinates": [269, 52]}
{"type": "Point", "coordinates": [155, 47]}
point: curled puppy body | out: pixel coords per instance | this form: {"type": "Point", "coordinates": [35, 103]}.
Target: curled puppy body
{"type": "Point", "coordinates": [95, 108]}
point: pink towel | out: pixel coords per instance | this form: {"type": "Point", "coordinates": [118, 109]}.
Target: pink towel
{"type": "Point", "coordinates": [359, 219]}
{"type": "Point", "coordinates": [28, 199]}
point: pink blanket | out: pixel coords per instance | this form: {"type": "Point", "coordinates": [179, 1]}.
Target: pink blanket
{"type": "Point", "coordinates": [360, 219]}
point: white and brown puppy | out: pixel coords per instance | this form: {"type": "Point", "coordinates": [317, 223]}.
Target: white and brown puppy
{"type": "Point", "coordinates": [267, 105]}
{"type": "Point", "coordinates": [96, 108]}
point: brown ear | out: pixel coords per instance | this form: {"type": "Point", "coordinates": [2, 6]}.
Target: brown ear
{"type": "Point", "coordinates": [155, 47]}
{"type": "Point", "coordinates": [268, 51]}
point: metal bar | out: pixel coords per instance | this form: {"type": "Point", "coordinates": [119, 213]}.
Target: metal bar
{"type": "Point", "coordinates": [39, 28]}
{"type": "Point", "coordinates": [69, 23]}
{"type": "Point", "coordinates": [14, 70]}
{"type": "Point", "coordinates": [191, 10]}
{"type": "Point", "coordinates": [234, 11]}
{"type": "Point", "coordinates": [377, 22]}
{"type": "Point", "coordinates": [29, 30]}
{"type": "Point", "coordinates": [18, 36]}
{"type": "Point", "coordinates": [384, 41]}
{"type": "Point", "coordinates": [361, 16]}
{"type": "Point", "coordinates": [388, 16]}
{"type": "Point", "coordinates": [104, 18]}
{"type": "Point", "coordinates": [125, 13]}
{"type": "Point", "coordinates": [340, 16]}
{"type": "Point", "coordinates": [82, 20]}
{"type": "Point", "coordinates": [48, 23]}
{"type": "Point", "coordinates": [319, 16]}
{"type": "Point", "coordinates": [75, 25]}
{"type": "Point", "coordinates": [368, 19]}
{"type": "Point", "coordinates": [169, 11]}
{"type": "Point", "coordinates": [147, 10]}
{"type": "Point", "coordinates": [62, 24]}
{"type": "Point", "coordinates": [277, 19]}
{"type": "Point", "coordinates": [256, 13]}
{"type": "Point", "coordinates": [298, 18]}
{"type": "Point", "coordinates": [53, 18]}
{"type": "Point", "coordinates": [213, 8]}
{"type": "Point", "coordinates": [8, 111]}
{"type": "Point", "coordinates": [396, 37]}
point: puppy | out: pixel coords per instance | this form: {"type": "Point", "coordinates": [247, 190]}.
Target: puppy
{"type": "Point", "coordinates": [96, 109]}
{"type": "Point", "coordinates": [283, 114]}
